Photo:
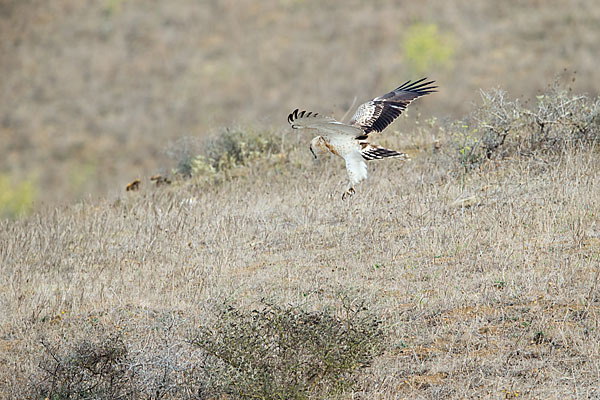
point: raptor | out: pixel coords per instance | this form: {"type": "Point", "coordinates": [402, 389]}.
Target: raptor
{"type": "Point", "coordinates": [351, 141]}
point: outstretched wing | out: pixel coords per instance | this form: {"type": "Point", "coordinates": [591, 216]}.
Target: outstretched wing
{"type": "Point", "coordinates": [323, 124]}
{"type": "Point", "coordinates": [377, 114]}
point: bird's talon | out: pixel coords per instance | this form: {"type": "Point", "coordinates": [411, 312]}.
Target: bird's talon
{"type": "Point", "coordinates": [348, 193]}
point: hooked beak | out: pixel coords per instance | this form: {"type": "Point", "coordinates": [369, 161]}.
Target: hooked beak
{"type": "Point", "coordinates": [313, 153]}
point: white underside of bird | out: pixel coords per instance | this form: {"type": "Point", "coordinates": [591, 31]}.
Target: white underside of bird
{"type": "Point", "coordinates": [350, 141]}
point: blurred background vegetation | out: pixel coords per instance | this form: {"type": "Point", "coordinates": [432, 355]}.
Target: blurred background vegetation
{"type": "Point", "coordinates": [95, 93]}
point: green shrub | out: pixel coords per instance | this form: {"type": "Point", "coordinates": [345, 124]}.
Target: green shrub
{"type": "Point", "coordinates": [112, 7]}
{"type": "Point", "coordinates": [286, 352]}
{"type": "Point", "coordinates": [16, 200]}
{"type": "Point", "coordinates": [232, 148]}
{"type": "Point", "coordinates": [424, 48]}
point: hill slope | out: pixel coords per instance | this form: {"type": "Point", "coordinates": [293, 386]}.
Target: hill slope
{"type": "Point", "coordinates": [486, 281]}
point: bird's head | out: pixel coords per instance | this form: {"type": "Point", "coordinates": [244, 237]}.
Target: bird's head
{"type": "Point", "coordinates": [318, 146]}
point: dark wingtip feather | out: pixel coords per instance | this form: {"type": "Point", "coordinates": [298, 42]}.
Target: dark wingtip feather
{"type": "Point", "coordinates": [300, 114]}
{"type": "Point", "coordinates": [292, 116]}
{"type": "Point", "coordinates": [421, 86]}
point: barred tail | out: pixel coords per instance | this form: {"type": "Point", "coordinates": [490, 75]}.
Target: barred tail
{"type": "Point", "coordinates": [373, 152]}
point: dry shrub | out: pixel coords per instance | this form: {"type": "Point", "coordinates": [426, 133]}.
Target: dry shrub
{"type": "Point", "coordinates": [274, 352]}
{"type": "Point", "coordinates": [230, 149]}
{"type": "Point", "coordinates": [504, 128]}
{"type": "Point", "coordinates": [146, 358]}
{"type": "Point", "coordinates": [288, 353]}
{"type": "Point", "coordinates": [183, 152]}
{"type": "Point", "coordinates": [90, 369]}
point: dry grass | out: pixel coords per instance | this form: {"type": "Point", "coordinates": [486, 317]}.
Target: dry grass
{"type": "Point", "coordinates": [487, 282]}
{"type": "Point", "coordinates": [484, 273]}
{"type": "Point", "coordinates": [93, 92]}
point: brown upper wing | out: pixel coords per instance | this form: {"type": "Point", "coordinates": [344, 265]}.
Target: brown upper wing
{"type": "Point", "coordinates": [377, 114]}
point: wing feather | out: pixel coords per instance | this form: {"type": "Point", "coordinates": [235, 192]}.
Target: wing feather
{"type": "Point", "coordinates": [377, 114]}
{"type": "Point", "coordinates": [326, 125]}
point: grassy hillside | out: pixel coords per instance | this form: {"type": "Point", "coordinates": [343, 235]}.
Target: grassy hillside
{"type": "Point", "coordinates": [464, 277]}
{"type": "Point", "coordinates": [93, 93]}
{"type": "Point", "coordinates": [471, 271]}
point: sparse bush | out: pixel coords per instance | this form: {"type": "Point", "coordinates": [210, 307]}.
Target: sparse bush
{"type": "Point", "coordinates": [271, 353]}
{"type": "Point", "coordinates": [184, 151]}
{"type": "Point", "coordinates": [288, 353]}
{"type": "Point", "coordinates": [89, 370]}
{"type": "Point", "coordinates": [114, 364]}
{"type": "Point", "coordinates": [234, 148]}
{"type": "Point", "coordinates": [231, 149]}
{"type": "Point", "coordinates": [503, 128]}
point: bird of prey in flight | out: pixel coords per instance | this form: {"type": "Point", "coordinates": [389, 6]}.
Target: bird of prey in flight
{"type": "Point", "coordinates": [351, 141]}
